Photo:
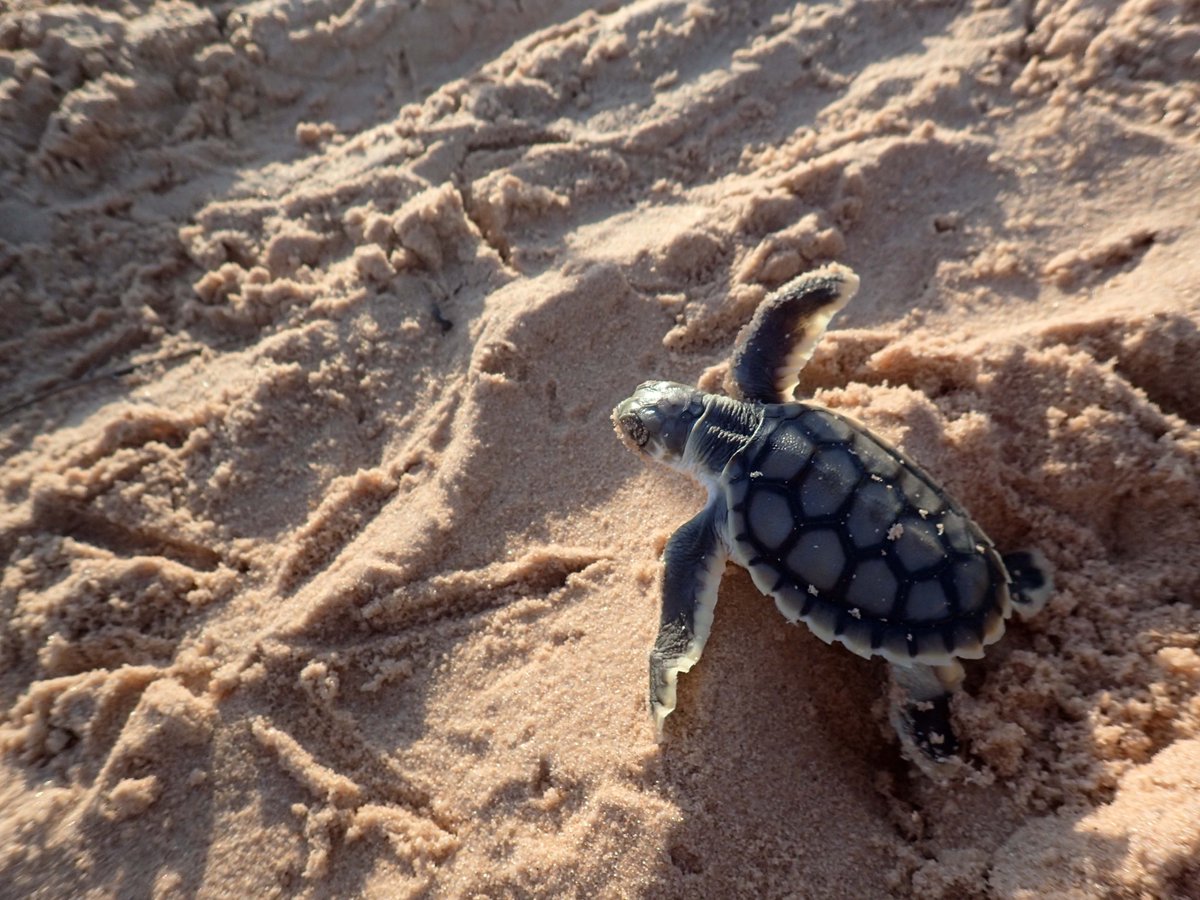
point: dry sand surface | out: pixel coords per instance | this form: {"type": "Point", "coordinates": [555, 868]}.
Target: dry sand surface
{"type": "Point", "coordinates": [324, 573]}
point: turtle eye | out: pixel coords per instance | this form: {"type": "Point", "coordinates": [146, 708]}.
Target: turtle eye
{"type": "Point", "coordinates": [635, 429]}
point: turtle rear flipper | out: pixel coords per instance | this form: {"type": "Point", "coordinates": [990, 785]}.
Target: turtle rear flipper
{"type": "Point", "coordinates": [779, 339]}
{"type": "Point", "coordinates": [928, 725]}
{"type": "Point", "coordinates": [1032, 581]}
{"type": "Point", "coordinates": [921, 713]}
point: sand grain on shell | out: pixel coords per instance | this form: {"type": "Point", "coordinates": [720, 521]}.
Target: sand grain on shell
{"type": "Point", "coordinates": [324, 574]}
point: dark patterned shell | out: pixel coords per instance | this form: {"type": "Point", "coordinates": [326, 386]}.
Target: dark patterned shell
{"type": "Point", "coordinates": [855, 540]}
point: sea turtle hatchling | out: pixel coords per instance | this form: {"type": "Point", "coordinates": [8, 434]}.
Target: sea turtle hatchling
{"type": "Point", "coordinates": [845, 532]}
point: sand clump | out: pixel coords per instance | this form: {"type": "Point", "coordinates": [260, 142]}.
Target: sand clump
{"type": "Point", "coordinates": [324, 574]}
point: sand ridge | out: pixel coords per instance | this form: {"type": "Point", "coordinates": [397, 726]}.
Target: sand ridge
{"type": "Point", "coordinates": [324, 574]}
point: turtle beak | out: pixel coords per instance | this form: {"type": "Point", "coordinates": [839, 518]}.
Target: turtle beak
{"type": "Point", "coordinates": [629, 426]}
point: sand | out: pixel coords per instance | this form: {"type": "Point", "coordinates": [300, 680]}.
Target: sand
{"type": "Point", "coordinates": [324, 574]}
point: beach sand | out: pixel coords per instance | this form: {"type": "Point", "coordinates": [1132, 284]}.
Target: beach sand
{"type": "Point", "coordinates": [324, 573]}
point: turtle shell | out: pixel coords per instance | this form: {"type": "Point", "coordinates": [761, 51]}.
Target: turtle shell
{"type": "Point", "coordinates": [854, 539]}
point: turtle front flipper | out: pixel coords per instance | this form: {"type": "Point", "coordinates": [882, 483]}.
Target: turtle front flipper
{"type": "Point", "coordinates": [921, 712]}
{"type": "Point", "coordinates": [778, 341]}
{"type": "Point", "coordinates": [694, 560]}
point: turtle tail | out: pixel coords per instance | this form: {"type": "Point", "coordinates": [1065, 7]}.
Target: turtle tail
{"type": "Point", "coordinates": [1032, 581]}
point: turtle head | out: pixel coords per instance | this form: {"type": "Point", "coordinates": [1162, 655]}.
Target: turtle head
{"type": "Point", "coordinates": [657, 420]}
